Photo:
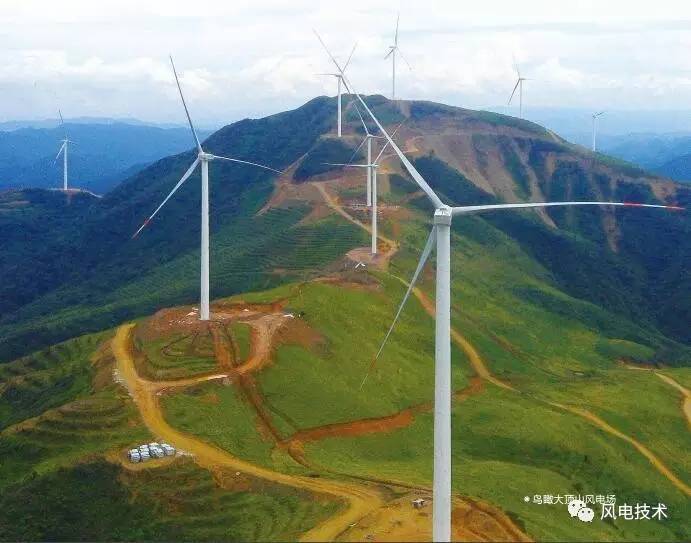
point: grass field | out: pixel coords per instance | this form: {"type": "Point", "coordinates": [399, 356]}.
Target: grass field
{"type": "Point", "coordinates": [506, 444]}
{"type": "Point", "coordinates": [99, 501]}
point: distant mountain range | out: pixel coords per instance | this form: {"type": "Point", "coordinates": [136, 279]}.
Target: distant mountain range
{"type": "Point", "coordinates": [666, 154]}
{"type": "Point", "coordinates": [658, 141]}
{"type": "Point", "coordinates": [105, 152]}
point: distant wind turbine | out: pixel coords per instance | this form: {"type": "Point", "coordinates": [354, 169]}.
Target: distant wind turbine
{"type": "Point", "coordinates": [63, 150]}
{"type": "Point", "coordinates": [371, 167]}
{"type": "Point", "coordinates": [519, 87]}
{"type": "Point", "coordinates": [596, 116]}
{"type": "Point", "coordinates": [393, 50]}
{"type": "Point", "coordinates": [368, 141]}
{"type": "Point", "coordinates": [203, 159]}
{"type": "Point", "coordinates": [440, 234]}
{"type": "Point", "coordinates": [339, 78]}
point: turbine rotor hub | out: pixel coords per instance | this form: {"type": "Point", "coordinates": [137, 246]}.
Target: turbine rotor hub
{"type": "Point", "coordinates": [442, 216]}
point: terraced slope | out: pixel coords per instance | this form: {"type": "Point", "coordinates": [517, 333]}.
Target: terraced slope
{"type": "Point", "coordinates": [64, 472]}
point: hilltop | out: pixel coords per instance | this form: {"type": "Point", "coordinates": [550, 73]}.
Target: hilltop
{"type": "Point", "coordinates": [266, 231]}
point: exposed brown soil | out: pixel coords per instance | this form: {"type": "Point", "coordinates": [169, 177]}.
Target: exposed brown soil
{"type": "Point", "coordinates": [380, 424]}
{"type": "Point", "coordinates": [398, 520]}
{"type": "Point", "coordinates": [297, 332]}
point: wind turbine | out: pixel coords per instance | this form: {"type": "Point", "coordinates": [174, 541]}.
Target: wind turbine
{"type": "Point", "coordinates": [519, 86]}
{"type": "Point", "coordinates": [595, 118]}
{"type": "Point", "coordinates": [202, 159]}
{"type": "Point", "coordinates": [339, 78]}
{"type": "Point", "coordinates": [368, 141]}
{"type": "Point", "coordinates": [440, 234]}
{"type": "Point", "coordinates": [371, 167]}
{"type": "Point", "coordinates": [63, 150]}
{"type": "Point", "coordinates": [393, 49]}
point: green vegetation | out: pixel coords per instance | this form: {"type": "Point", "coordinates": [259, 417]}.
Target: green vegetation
{"type": "Point", "coordinates": [242, 335]}
{"type": "Point", "coordinates": [177, 355]}
{"type": "Point", "coordinates": [507, 447]}
{"type": "Point", "coordinates": [515, 167]}
{"type": "Point", "coordinates": [222, 415]}
{"type": "Point", "coordinates": [98, 501]}
{"type": "Point", "coordinates": [46, 379]}
{"type": "Point", "coordinates": [319, 159]}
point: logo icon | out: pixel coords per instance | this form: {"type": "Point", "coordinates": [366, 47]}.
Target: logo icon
{"type": "Point", "coordinates": [577, 508]}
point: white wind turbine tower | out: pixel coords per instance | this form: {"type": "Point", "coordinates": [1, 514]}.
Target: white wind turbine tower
{"type": "Point", "coordinates": [519, 86]}
{"type": "Point", "coordinates": [339, 78]}
{"type": "Point", "coordinates": [393, 51]}
{"type": "Point", "coordinates": [440, 235]}
{"type": "Point", "coordinates": [596, 116]}
{"type": "Point", "coordinates": [366, 141]}
{"type": "Point", "coordinates": [371, 167]}
{"type": "Point", "coordinates": [63, 150]}
{"type": "Point", "coordinates": [202, 159]}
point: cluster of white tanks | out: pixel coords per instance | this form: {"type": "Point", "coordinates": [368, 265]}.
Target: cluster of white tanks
{"type": "Point", "coordinates": [151, 450]}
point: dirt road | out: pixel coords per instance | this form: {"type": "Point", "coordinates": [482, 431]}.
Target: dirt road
{"type": "Point", "coordinates": [360, 499]}
{"type": "Point", "coordinates": [383, 258]}
{"type": "Point", "coordinates": [654, 460]}
{"type": "Point", "coordinates": [686, 395]}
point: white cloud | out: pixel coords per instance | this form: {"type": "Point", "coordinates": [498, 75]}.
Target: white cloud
{"type": "Point", "coordinates": [255, 57]}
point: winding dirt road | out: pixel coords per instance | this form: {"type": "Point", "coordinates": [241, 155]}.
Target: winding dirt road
{"type": "Point", "coordinates": [686, 395]}
{"type": "Point", "coordinates": [654, 460]}
{"type": "Point", "coordinates": [360, 499]}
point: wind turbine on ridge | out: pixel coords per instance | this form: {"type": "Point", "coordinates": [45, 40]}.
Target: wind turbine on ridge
{"type": "Point", "coordinates": [368, 141]}
{"type": "Point", "coordinates": [393, 49]}
{"type": "Point", "coordinates": [339, 78]}
{"type": "Point", "coordinates": [202, 159]}
{"type": "Point", "coordinates": [440, 235]}
{"type": "Point", "coordinates": [63, 149]}
{"type": "Point", "coordinates": [519, 86]}
{"type": "Point", "coordinates": [371, 167]}
{"type": "Point", "coordinates": [596, 116]}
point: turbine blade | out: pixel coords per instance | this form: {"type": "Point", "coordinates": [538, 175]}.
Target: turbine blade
{"type": "Point", "coordinates": [175, 188]}
{"type": "Point", "coordinates": [515, 66]}
{"type": "Point", "coordinates": [514, 91]}
{"type": "Point", "coordinates": [62, 147]}
{"type": "Point", "coordinates": [364, 124]}
{"type": "Point", "coordinates": [376, 160]}
{"type": "Point", "coordinates": [406, 163]}
{"type": "Point", "coordinates": [421, 264]}
{"type": "Point", "coordinates": [62, 123]}
{"type": "Point", "coordinates": [404, 59]}
{"type": "Point", "coordinates": [346, 165]}
{"type": "Point", "coordinates": [474, 209]}
{"type": "Point", "coordinates": [245, 162]}
{"type": "Point", "coordinates": [356, 150]}
{"type": "Point", "coordinates": [395, 38]}
{"type": "Point", "coordinates": [349, 57]}
{"type": "Point", "coordinates": [184, 104]}
{"type": "Point", "coordinates": [389, 53]}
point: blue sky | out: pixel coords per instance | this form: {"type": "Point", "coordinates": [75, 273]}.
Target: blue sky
{"type": "Point", "coordinates": [239, 58]}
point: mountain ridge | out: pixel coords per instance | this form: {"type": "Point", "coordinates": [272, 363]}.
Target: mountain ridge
{"type": "Point", "coordinates": [496, 157]}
